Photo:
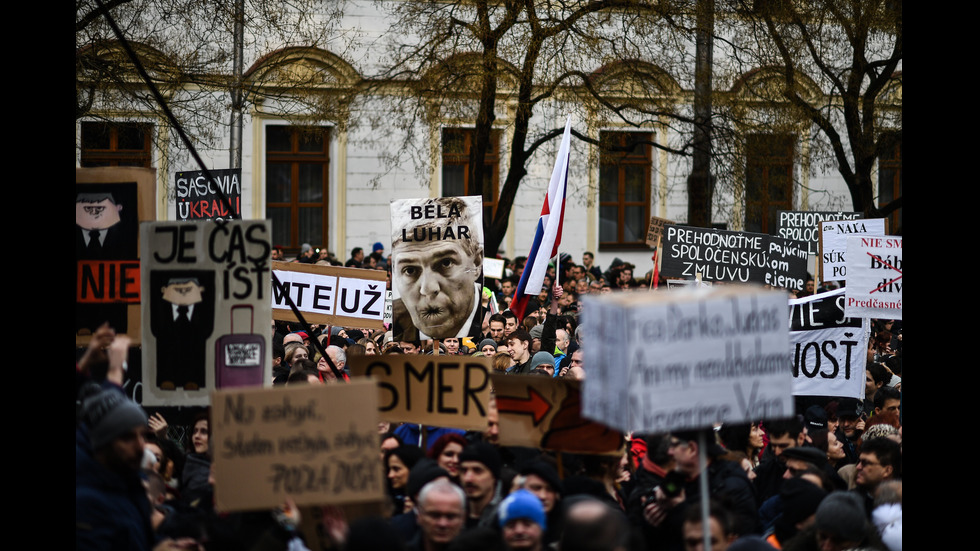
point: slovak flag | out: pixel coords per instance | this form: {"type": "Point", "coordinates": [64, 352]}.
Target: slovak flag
{"type": "Point", "coordinates": [548, 234]}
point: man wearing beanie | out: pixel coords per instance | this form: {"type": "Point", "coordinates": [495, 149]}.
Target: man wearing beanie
{"type": "Point", "coordinates": [479, 467]}
{"type": "Point", "coordinates": [522, 520]}
{"type": "Point", "coordinates": [111, 507]}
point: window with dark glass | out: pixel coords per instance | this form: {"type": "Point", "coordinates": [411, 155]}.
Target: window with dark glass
{"type": "Point", "coordinates": [768, 179]}
{"type": "Point", "coordinates": [457, 144]}
{"type": "Point", "coordinates": [297, 162]}
{"type": "Point", "coordinates": [625, 166]}
{"type": "Point", "coordinates": [116, 144]}
{"type": "Point", "coordinates": [890, 178]}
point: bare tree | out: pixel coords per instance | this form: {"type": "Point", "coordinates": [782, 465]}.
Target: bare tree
{"type": "Point", "coordinates": [852, 50]}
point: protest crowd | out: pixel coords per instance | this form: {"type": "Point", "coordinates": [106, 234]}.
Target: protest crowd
{"type": "Point", "coordinates": [828, 477]}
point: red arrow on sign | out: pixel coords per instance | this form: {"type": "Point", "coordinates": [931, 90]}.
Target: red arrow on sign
{"type": "Point", "coordinates": [535, 405]}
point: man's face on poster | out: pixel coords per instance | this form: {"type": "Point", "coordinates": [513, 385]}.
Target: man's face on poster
{"type": "Point", "coordinates": [186, 293]}
{"type": "Point", "coordinates": [96, 215]}
{"type": "Point", "coordinates": [436, 282]}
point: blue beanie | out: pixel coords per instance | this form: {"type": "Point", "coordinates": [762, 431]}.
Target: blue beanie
{"type": "Point", "coordinates": [522, 504]}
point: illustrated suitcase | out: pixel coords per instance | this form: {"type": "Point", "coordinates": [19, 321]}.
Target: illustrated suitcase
{"type": "Point", "coordinates": [240, 358]}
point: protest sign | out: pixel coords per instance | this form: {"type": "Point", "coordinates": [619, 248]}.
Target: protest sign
{"type": "Point", "coordinates": [448, 391]}
{"type": "Point", "coordinates": [733, 256]}
{"type": "Point", "coordinates": [388, 315]}
{"type": "Point", "coordinates": [348, 297]}
{"type": "Point", "coordinates": [687, 358]}
{"type": "Point", "coordinates": [833, 244]}
{"type": "Point", "coordinates": [314, 444]}
{"type": "Point", "coordinates": [493, 268]}
{"type": "Point", "coordinates": [198, 198]}
{"type": "Point", "coordinates": [874, 277]}
{"type": "Point", "coordinates": [206, 308]}
{"type": "Point", "coordinates": [110, 202]}
{"type": "Point", "coordinates": [829, 348]}
{"type": "Point", "coordinates": [545, 413]}
{"type": "Point", "coordinates": [655, 230]}
{"type": "Point", "coordinates": [437, 273]}
{"type": "Point", "coordinates": [804, 225]}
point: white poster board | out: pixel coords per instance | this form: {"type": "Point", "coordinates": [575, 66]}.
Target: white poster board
{"type": "Point", "coordinates": [206, 309]}
{"type": "Point", "coordinates": [833, 244]}
{"type": "Point", "coordinates": [874, 281]}
{"type": "Point", "coordinates": [687, 359]}
{"type": "Point", "coordinates": [348, 297]}
{"type": "Point", "coordinates": [829, 348]}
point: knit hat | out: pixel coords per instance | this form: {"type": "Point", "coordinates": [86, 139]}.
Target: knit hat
{"type": "Point", "coordinates": [484, 453]}
{"type": "Point", "coordinates": [109, 415]}
{"type": "Point", "coordinates": [536, 331]}
{"type": "Point", "coordinates": [522, 504]}
{"type": "Point", "coordinates": [425, 471]}
{"type": "Point", "coordinates": [879, 430]}
{"type": "Point", "coordinates": [305, 247]}
{"type": "Point", "coordinates": [815, 418]}
{"type": "Point", "coordinates": [487, 342]}
{"type": "Point", "coordinates": [542, 358]}
{"type": "Point", "coordinates": [800, 499]}
{"type": "Point", "coordinates": [377, 247]}
{"type": "Point", "coordinates": [842, 514]}
{"type": "Point", "coordinates": [545, 472]}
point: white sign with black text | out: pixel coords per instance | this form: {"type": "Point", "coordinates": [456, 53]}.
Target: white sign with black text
{"type": "Point", "coordinates": [829, 348]}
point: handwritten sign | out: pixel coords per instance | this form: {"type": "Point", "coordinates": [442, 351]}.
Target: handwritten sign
{"type": "Point", "coordinates": [655, 230]}
{"type": "Point", "coordinates": [206, 308]}
{"type": "Point", "coordinates": [829, 348]}
{"type": "Point", "coordinates": [804, 225]}
{"type": "Point", "coordinates": [874, 277]}
{"type": "Point", "coordinates": [315, 444]}
{"type": "Point", "coordinates": [110, 202]}
{"type": "Point", "coordinates": [545, 413]}
{"type": "Point", "coordinates": [733, 256]}
{"type": "Point", "coordinates": [687, 358]}
{"type": "Point", "coordinates": [449, 391]}
{"type": "Point", "coordinates": [833, 244]}
{"type": "Point", "coordinates": [198, 198]}
{"type": "Point", "coordinates": [347, 297]}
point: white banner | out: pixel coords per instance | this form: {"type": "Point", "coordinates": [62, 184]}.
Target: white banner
{"type": "Point", "coordinates": [687, 359]}
{"type": "Point", "coordinates": [833, 243]}
{"type": "Point", "coordinates": [829, 349]}
{"type": "Point", "coordinates": [874, 281]}
{"type": "Point", "coordinates": [348, 297]}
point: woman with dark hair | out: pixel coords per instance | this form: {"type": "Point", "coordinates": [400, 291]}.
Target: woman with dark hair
{"type": "Point", "coordinates": [828, 443]}
{"type": "Point", "coordinates": [398, 462]}
{"type": "Point", "coordinates": [197, 467]}
{"type": "Point", "coordinates": [745, 438]}
{"type": "Point", "coordinates": [445, 451]}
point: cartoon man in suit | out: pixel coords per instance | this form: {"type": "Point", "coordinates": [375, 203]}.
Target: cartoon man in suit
{"type": "Point", "coordinates": [182, 322]}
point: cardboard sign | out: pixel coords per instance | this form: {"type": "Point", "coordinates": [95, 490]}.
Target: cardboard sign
{"type": "Point", "coordinates": [655, 230]}
{"type": "Point", "coordinates": [874, 277]}
{"type": "Point", "coordinates": [804, 225]}
{"type": "Point", "coordinates": [733, 256]}
{"type": "Point", "coordinates": [687, 359]}
{"type": "Point", "coordinates": [110, 202]}
{"type": "Point", "coordinates": [437, 272]}
{"type": "Point", "coordinates": [348, 297]}
{"type": "Point", "coordinates": [448, 391]}
{"type": "Point", "coordinates": [545, 413]}
{"type": "Point", "coordinates": [833, 244]}
{"type": "Point", "coordinates": [206, 308]}
{"type": "Point", "coordinates": [199, 199]}
{"type": "Point", "coordinates": [316, 444]}
{"type": "Point", "coordinates": [829, 348]}
{"type": "Point", "coordinates": [493, 268]}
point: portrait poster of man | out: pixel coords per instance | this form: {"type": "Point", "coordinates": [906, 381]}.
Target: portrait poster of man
{"type": "Point", "coordinates": [110, 202]}
{"type": "Point", "coordinates": [181, 319]}
{"type": "Point", "coordinates": [437, 272]}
